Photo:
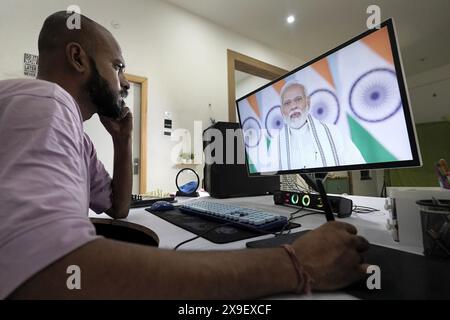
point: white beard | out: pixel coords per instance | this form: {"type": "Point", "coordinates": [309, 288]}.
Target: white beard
{"type": "Point", "coordinates": [296, 121]}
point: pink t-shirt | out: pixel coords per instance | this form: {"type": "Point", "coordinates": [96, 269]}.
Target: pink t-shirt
{"type": "Point", "coordinates": [49, 177]}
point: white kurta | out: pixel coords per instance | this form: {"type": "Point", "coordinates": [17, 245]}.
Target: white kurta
{"type": "Point", "coordinates": [303, 153]}
{"type": "Point", "coordinates": [314, 145]}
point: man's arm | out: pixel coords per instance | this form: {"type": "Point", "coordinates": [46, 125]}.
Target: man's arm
{"type": "Point", "coordinates": [330, 254]}
{"type": "Point", "coordinates": [122, 181]}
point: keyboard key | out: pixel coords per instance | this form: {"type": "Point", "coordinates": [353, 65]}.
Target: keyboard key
{"type": "Point", "coordinates": [240, 216]}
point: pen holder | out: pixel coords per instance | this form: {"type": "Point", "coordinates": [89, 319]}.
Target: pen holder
{"type": "Point", "coordinates": [435, 218]}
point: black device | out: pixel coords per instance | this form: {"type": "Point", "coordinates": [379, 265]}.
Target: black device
{"type": "Point", "coordinates": [225, 173]}
{"type": "Point", "coordinates": [340, 206]}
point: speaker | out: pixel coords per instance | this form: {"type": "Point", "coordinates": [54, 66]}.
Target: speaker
{"type": "Point", "coordinates": [340, 206]}
{"type": "Point", "coordinates": [225, 173]}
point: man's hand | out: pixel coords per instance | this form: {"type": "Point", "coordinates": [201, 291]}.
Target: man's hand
{"type": "Point", "coordinates": [331, 254]}
{"type": "Point", "coordinates": [122, 182]}
{"type": "Point", "coordinates": [119, 128]}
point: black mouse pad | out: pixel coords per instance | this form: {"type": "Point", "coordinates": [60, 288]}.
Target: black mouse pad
{"type": "Point", "coordinates": [199, 226]}
{"type": "Point", "coordinates": [403, 275]}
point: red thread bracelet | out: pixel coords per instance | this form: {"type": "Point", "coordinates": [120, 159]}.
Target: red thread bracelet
{"type": "Point", "coordinates": [304, 279]}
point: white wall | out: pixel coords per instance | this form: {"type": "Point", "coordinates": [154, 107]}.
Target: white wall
{"type": "Point", "coordinates": [183, 56]}
{"type": "Point", "coordinates": [249, 84]}
{"type": "Point", "coordinates": [422, 88]}
{"type": "Point", "coordinates": [370, 187]}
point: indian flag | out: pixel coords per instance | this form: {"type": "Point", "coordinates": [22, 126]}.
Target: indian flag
{"type": "Point", "coordinates": [271, 117]}
{"type": "Point", "coordinates": [254, 134]}
{"type": "Point", "coordinates": [320, 86]}
{"type": "Point", "coordinates": [370, 98]}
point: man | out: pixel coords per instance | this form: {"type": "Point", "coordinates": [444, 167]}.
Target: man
{"type": "Point", "coordinates": [50, 175]}
{"type": "Point", "coordinates": [304, 142]}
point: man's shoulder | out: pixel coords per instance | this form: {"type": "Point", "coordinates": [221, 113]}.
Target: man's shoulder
{"type": "Point", "coordinates": [35, 90]}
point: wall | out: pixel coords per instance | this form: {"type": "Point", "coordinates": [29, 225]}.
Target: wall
{"type": "Point", "coordinates": [370, 187]}
{"type": "Point", "coordinates": [183, 56]}
{"type": "Point", "coordinates": [430, 94]}
{"type": "Point", "coordinates": [249, 84]}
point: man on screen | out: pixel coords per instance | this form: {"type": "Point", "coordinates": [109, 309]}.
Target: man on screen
{"type": "Point", "coordinates": [305, 142]}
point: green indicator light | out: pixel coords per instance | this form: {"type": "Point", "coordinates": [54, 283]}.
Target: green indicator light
{"type": "Point", "coordinates": [320, 204]}
{"type": "Point", "coordinates": [294, 199]}
{"type": "Point", "coordinates": [306, 200]}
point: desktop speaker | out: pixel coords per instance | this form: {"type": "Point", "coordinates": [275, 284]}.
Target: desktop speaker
{"type": "Point", "coordinates": [340, 206]}
{"type": "Point", "coordinates": [225, 173]}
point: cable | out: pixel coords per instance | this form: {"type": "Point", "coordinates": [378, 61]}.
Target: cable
{"type": "Point", "coordinates": [279, 233]}
{"type": "Point", "coordinates": [292, 217]}
{"type": "Point", "coordinates": [363, 209]}
{"type": "Point", "coordinates": [307, 214]}
{"type": "Point", "coordinates": [201, 235]}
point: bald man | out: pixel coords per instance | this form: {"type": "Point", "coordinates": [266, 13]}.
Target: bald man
{"type": "Point", "coordinates": [50, 176]}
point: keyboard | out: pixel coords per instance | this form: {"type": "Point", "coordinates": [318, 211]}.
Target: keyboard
{"type": "Point", "coordinates": [247, 218]}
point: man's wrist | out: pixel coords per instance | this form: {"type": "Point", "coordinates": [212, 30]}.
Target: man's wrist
{"type": "Point", "coordinates": [304, 279]}
{"type": "Point", "coordinates": [121, 140]}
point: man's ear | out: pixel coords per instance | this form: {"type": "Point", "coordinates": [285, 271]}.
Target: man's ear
{"type": "Point", "coordinates": [76, 57]}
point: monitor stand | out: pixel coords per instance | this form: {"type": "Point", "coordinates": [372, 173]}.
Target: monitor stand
{"type": "Point", "coordinates": [315, 182]}
{"type": "Point", "coordinates": [311, 178]}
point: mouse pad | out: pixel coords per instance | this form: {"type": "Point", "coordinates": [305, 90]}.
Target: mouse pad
{"type": "Point", "coordinates": [198, 226]}
{"type": "Point", "coordinates": [403, 275]}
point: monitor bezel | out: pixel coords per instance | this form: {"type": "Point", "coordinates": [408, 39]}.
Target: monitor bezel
{"type": "Point", "coordinates": [412, 135]}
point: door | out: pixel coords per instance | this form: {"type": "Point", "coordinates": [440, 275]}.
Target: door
{"type": "Point", "coordinates": [137, 102]}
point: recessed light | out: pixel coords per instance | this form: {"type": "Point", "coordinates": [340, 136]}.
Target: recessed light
{"type": "Point", "coordinates": [290, 19]}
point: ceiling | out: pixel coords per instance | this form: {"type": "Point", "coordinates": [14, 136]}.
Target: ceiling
{"type": "Point", "coordinates": [423, 27]}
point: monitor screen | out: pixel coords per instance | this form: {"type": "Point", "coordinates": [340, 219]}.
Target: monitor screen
{"type": "Point", "coordinates": [345, 110]}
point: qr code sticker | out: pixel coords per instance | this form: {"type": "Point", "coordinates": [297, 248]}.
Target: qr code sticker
{"type": "Point", "coordinates": [30, 64]}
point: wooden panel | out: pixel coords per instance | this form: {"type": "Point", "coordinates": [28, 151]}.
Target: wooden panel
{"type": "Point", "coordinates": [144, 120]}
{"type": "Point", "coordinates": [243, 63]}
{"type": "Point", "coordinates": [143, 82]}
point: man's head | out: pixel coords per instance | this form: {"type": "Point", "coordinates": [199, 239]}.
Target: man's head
{"type": "Point", "coordinates": [294, 104]}
{"type": "Point", "coordinates": [87, 62]}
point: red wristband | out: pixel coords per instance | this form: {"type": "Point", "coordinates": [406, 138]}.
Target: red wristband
{"type": "Point", "coordinates": [304, 279]}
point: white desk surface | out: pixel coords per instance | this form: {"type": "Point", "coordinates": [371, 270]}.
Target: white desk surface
{"type": "Point", "coordinates": [370, 225]}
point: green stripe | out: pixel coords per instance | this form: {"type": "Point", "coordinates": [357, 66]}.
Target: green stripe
{"type": "Point", "coordinates": [251, 166]}
{"type": "Point", "coordinates": [371, 149]}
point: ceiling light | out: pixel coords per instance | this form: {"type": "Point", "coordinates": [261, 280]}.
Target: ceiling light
{"type": "Point", "coordinates": [290, 19]}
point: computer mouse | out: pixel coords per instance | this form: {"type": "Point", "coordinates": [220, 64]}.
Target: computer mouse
{"type": "Point", "coordinates": [161, 206]}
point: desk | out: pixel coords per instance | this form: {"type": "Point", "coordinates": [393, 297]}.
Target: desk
{"type": "Point", "coordinates": [372, 226]}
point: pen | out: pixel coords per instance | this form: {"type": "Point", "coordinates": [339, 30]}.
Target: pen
{"type": "Point", "coordinates": [326, 204]}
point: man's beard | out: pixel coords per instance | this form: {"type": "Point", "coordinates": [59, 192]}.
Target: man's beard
{"type": "Point", "coordinates": [296, 118]}
{"type": "Point", "coordinates": [109, 104]}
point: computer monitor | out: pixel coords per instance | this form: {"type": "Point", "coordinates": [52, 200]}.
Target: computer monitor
{"type": "Point", "coordinates": [348, 109]}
